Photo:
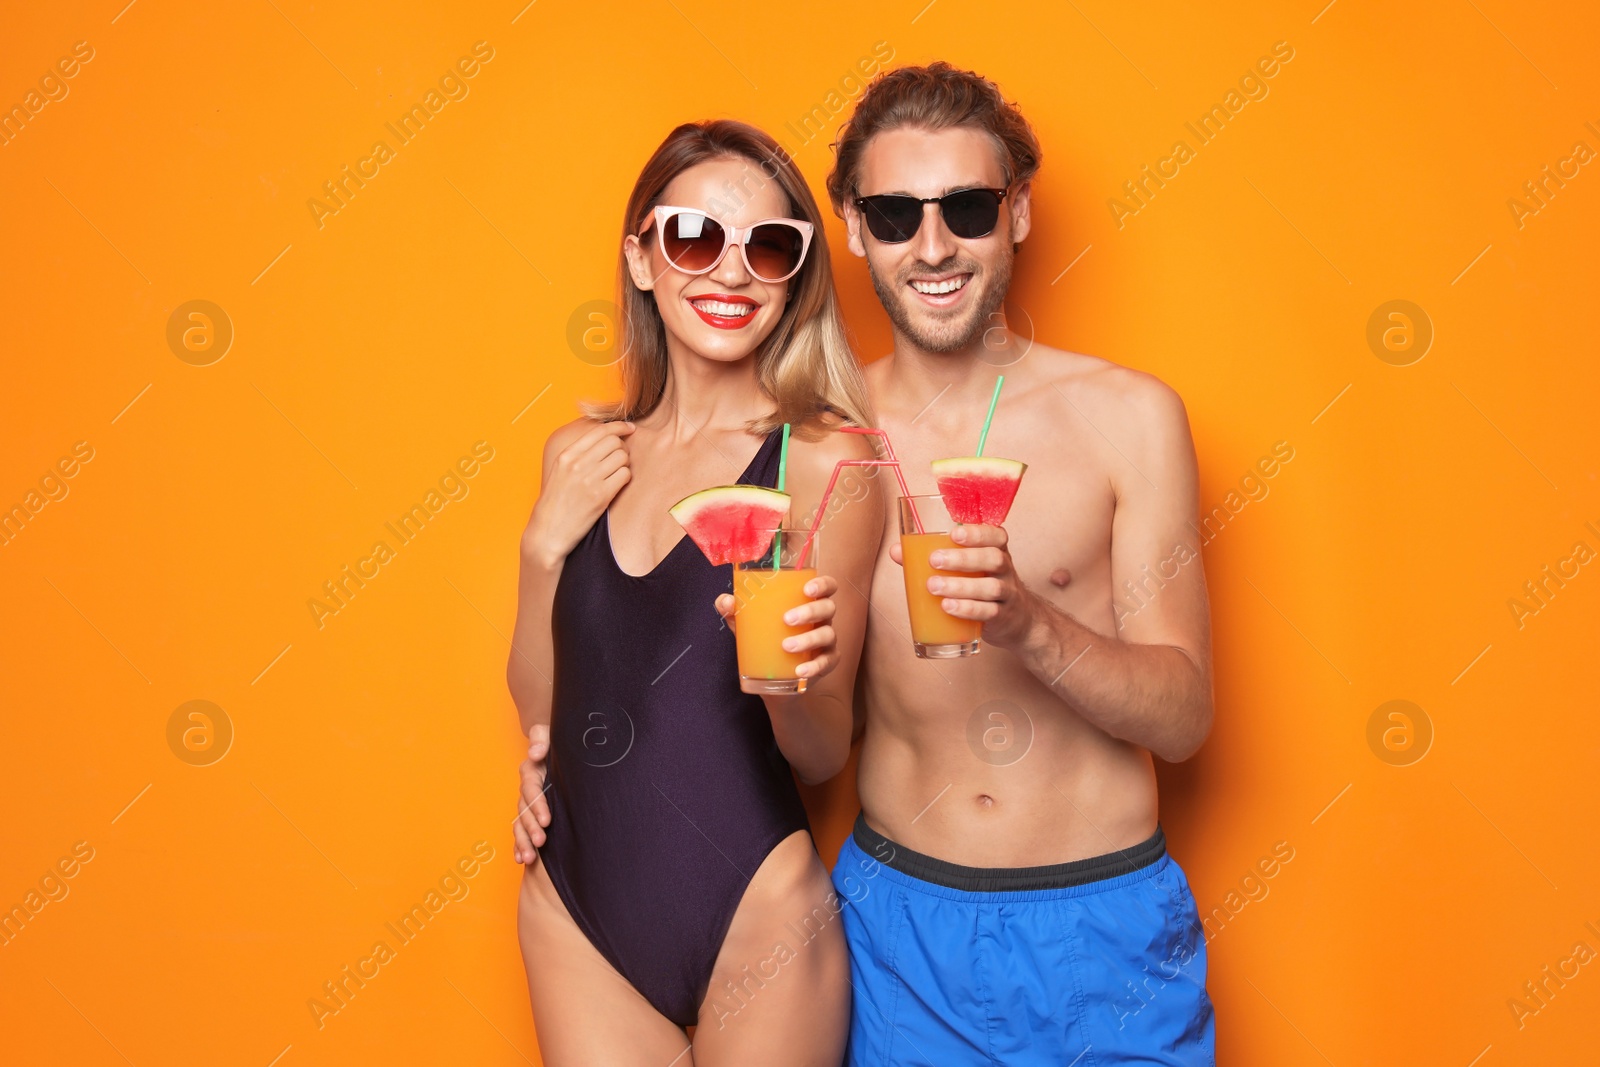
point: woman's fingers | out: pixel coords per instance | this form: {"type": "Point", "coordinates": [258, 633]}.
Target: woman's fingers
{"type": "Point", "coordinates": [823, 585]}
{"type": "Point", "coordinates": [820, 637]}
{"type": "Point", "coordinates": [726, 606]}
{"type": "Point", "coordinates": [813, 611]}
{"type": "Point", "coordinates": [611, 461]}
{"type": "Point", "coordinates": [817, 666]}
{"type": "Point", "coordinates": [607, 434]}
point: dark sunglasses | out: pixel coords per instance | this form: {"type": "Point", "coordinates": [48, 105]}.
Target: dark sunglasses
{"type": "Point", "coordinates": [968, 213]}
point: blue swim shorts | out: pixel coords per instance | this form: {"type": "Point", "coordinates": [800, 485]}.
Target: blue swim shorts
{"type": "Point", "coordinates": [1098, 961]}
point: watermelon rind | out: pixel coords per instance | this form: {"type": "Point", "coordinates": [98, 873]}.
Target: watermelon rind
{"type": "Point", "coordinates": [979, 466]}
{"type": "Point", "coordinates": [732, 523]}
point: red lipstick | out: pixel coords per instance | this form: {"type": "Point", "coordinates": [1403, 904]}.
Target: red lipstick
{"type": "Point", "coordinates": [723, 317]}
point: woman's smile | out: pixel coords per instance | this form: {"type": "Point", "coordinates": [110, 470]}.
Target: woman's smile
{"type": "Point", "coordinates": [723, 311]}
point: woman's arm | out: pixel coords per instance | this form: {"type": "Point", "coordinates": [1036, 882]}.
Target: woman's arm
{"type": "Point", "coordinates": [585, 465]}
{"type": "Point", "coordinates": [814, 728]}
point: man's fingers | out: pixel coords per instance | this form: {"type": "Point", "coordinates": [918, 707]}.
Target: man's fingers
{"type": "Point", "coordinates": [971, 560]}
{"type": "Point", "coordinates": [534, 799]}
{"type": "Point", "coordinates": [976, 535]}
{"type": "Point", "coordinates": [988, 589]}
{"type": "Point", "coordinates": [980, 610]}
{"type": "Point", "coordinates": [534, 819]}
{"type": "Point", "coordinates": [523, 849]}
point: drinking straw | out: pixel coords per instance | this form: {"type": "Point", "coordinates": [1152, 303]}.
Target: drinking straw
{"type": "Point", "coordinates": [783, 454]}
{"type": "Point", "coordinates": [987, 419]}
{"type": "Point", "coordinates": [783, 473]}
{"type": "Point", "coordinates": [888, 448]}
{"type": "Point", "coordinates": [899, 475]}
{"type": "Point", "coordinates": [822, 507]}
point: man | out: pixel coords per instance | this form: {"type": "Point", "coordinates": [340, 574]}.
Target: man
{"type": "Point", "coordinates": [1010, 899]}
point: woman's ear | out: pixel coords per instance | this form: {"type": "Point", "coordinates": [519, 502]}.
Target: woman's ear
{"type": "Point", "coordinates": [638, 263]}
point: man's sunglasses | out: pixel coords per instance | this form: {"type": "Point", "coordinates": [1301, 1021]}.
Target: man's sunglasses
{"type": "Point", "coordinates": [968, 213]}
{"type": "Point", "coordinates": [694, 242]}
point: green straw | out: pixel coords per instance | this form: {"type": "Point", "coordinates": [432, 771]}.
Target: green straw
{"type": "Point", "coordinates": [783, 452]}
{"type": "Point", "coordinates": [987, 419]}
{"type": "Point", "coordinates": [783, 473]}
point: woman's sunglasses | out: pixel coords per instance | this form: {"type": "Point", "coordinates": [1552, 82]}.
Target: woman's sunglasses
{"type": "Point", "coordinates": [694, 242]}
{"type": "Point", "coordinates": [968, 213]}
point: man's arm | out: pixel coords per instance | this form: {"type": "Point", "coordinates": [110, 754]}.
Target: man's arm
{"type": "Point", "coordinates": [1151, 684]}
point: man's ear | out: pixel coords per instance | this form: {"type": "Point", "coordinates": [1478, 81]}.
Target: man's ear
{"type": "Point", "coordinates": [852, 226]}
{"type": "Point", "coordinates": [638, 263]}
{"type": "Point", "coordinates": [1021, 212]}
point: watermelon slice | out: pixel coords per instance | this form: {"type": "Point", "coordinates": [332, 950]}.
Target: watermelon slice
{"type": "Point", "coordinates": [732, 523]}
{"type": "Point", "coordinates": [978, 490]}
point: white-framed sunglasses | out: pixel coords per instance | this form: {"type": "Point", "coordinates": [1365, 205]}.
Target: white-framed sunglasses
{"type": "Point", "coordinates": [694, 242]}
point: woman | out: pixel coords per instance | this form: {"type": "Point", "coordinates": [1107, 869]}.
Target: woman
{"type": "Point", "coordinates": [671, 879]}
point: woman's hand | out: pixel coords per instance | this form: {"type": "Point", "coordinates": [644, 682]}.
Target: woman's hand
{"type": "Point", "coordinates": [820, 640]}
{"type": "Point", "coordinates": [533, 810]}
{"type": "Point", "coordinates": [578, 486]}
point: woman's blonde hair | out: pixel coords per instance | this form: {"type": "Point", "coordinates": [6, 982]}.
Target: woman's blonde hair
{"type": "Point", "coordinates": [805, 365]}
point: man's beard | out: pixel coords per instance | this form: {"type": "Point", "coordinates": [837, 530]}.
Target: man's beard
{"type": "Point", "coordinates": [952, 334]}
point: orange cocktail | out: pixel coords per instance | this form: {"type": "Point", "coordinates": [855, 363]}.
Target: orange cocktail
{"type": "Point", "coordinates": [935, 634]}
{"type": "Point", "coordinates": [764, 592]}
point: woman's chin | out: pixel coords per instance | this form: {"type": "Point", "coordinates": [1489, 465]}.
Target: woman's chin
{"type": "Point", "coordinates": [721, 346]}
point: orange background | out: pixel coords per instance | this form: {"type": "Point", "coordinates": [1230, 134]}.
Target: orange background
{"type": "Point", "coordinates": [428, 314]}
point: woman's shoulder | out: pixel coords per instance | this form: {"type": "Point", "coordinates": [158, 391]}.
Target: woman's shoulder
{"type": "Point", "coordinates": [823, 441]}
{"type": "Point", "coordinates": [567, 434]}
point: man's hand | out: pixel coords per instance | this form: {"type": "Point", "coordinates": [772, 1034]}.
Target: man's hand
{"type": "Point", "coordinates": [533, 811]}
{"type": "Point", "coordinates": [997, 599]}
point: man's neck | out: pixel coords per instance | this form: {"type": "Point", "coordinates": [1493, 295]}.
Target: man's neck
{"type": "Point", "coordinates": [961, 374]}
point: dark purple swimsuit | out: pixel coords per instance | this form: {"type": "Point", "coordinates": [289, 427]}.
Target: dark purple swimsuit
{"type": "Point", "coordinates": [667, 789]}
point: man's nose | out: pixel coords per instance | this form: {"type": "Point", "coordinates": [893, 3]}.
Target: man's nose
{"type": "Point", "coordinates": [934, 243]}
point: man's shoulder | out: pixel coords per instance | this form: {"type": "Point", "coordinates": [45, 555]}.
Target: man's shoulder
{"type": "Point", "coordinates": [1132, 396]}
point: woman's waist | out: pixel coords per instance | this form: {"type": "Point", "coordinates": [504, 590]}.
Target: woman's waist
{"type": "Point", "coordinates": [645, 800]}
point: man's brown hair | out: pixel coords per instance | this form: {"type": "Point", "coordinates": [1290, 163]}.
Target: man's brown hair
{"type": "Point", "coordinates": [934, 97]}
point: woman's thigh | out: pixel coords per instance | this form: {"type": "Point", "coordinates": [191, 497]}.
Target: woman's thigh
{"type": "Point", "coordinates": [780, 992]}
{"type": "Point", "coordinates": [585, 1013]}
